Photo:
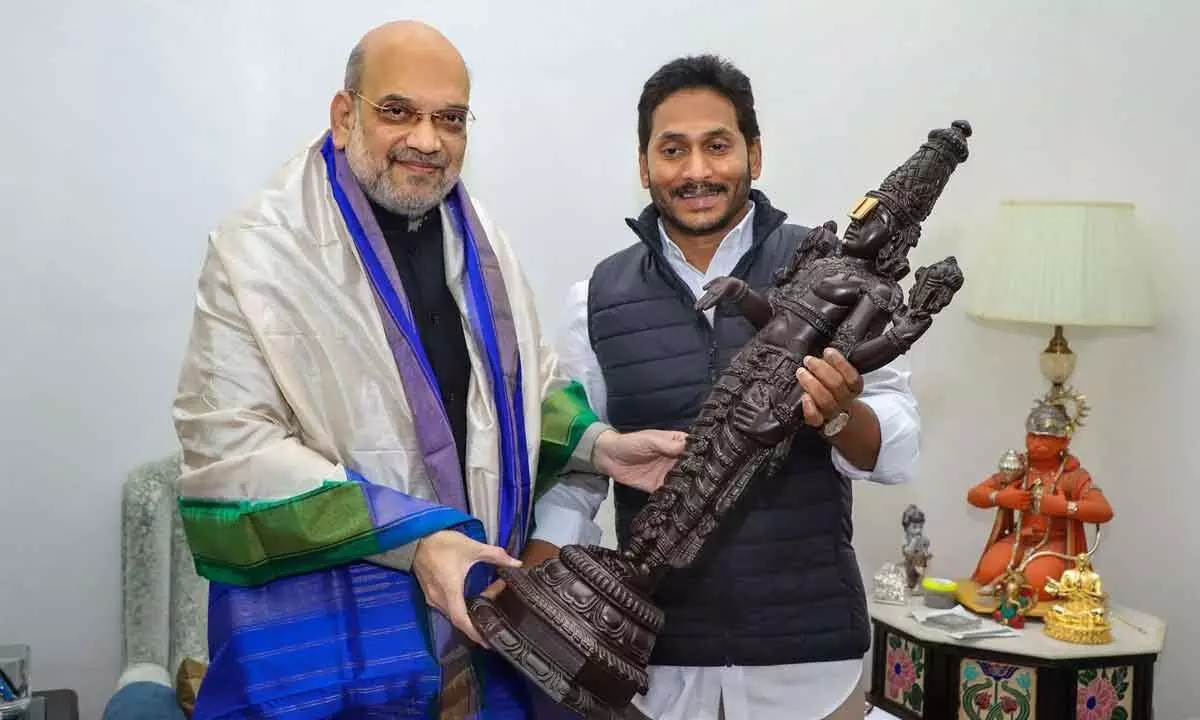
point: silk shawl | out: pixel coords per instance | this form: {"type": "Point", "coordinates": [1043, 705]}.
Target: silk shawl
{"type": "Point", "coordinates": [317, 453]}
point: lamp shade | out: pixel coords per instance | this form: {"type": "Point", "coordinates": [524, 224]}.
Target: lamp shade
{"type": "Point", "coordinates": [1064, 263]}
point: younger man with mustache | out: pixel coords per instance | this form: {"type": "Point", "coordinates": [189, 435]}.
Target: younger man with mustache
{"type": "Point", "coordinates": [771, 621]}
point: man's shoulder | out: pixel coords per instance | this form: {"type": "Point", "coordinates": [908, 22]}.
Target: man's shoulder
{"type": "Point", "coordinates": [282, 209]}
{"type": "Point", "coordinates": [633, 253]}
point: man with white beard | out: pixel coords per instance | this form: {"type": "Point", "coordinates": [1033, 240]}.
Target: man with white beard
{"type": "Point", "coordinates": [364, 407]}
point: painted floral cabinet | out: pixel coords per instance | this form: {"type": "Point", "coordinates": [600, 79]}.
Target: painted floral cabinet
{"type": "Point", "coordinates": [921, 673]}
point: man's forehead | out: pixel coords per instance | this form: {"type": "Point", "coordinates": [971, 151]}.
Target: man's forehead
{"type": "Point", "coordinates": [694, 113]}
{"type": "Point", "coordinates": [423, 77]}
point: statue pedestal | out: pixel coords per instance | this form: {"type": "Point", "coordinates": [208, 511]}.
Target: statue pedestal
{"type": "Point", "coordinates": [919, 672]}
{"type": "Point", "coordinates": [578, 626]}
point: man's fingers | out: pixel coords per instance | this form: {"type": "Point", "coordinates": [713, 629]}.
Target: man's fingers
{"type": "Point", "coordinates": [833, 382]}
{"type": "Point", "coordinates": [826, 373]}
{"type": "Point", "coordinates": [849, 374]}
{"type": "Point", "coordinates": [495, 555]}
{"type": "Point", "coordinates": [491, 591]}
{"type": "Point", "coordinates": [670, 444]}
{"type": "Point", "coordinates": [817, 391]}
{"type": "Point", "coordinates": [812, 416]}
{"type": "Point", "coordinates": [457, 614]}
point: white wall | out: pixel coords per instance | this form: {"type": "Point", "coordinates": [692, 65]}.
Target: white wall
{"type": "Point", "coordinates": [132, 127]}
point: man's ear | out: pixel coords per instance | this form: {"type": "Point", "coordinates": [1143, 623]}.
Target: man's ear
{"type": "Point", "coordinates": [341, 122]}
{"type": "Point", "coordinates": [644, 170]}
{"type": "Point", "coordinates": [754, 149]}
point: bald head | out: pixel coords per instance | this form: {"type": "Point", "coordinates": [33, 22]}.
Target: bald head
{"type": "Point", "coordinates": [403, 114]}
{"type": "Point", "coordinates": [407, 41]}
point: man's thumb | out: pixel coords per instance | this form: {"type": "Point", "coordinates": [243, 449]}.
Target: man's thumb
{"type": "Point", "coordinates": [672, 443]}
{"type": "Point", "coordinates": [495, 555]}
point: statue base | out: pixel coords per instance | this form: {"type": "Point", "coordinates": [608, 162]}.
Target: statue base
{"type": "Point", "coordinates": [1077, 634]}
{"type": "Point", "coordinates": [579, 626]}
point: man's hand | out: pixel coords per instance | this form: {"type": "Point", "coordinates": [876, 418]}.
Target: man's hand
{"type": "Point", "coordinates": [535, 553]}
{"type": "Point", "coordinates": [638, 459]}
{"type": "Point", "coordinates": [441, 564]}
{"type": "Point", "coordinates": [829, 384]}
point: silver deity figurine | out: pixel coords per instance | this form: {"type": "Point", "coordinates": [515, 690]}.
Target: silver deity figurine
{"type": "Point", "coordinates": [916, 546]}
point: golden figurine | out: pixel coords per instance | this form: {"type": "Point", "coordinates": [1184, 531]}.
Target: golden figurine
{"type": "Point", "coordinates": [1081, 615]}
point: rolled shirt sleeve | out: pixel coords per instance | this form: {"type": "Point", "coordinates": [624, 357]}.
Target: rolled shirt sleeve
{"type": "Point", "coordinates": [886, 391]}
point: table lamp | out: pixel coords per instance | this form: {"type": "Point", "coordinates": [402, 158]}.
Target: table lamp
{"type": "Point", "coordinates": [1063, 263]}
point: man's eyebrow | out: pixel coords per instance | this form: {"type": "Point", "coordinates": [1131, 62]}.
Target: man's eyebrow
{"type": "Point", "coordinates": [399, 98]}
{"type": "Point", "coordinates": [676, 135]}
{"type": "Point", "coordinates": [396, 97]}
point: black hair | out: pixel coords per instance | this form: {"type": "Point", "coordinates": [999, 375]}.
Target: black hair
{"type": "Point", "coordinates": [698, 71]}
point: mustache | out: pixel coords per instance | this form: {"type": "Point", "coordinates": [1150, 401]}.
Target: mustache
{"type": "Point", "coordinates": [408, 155]}
{"type": "Point", "coordinates": [698, 189]}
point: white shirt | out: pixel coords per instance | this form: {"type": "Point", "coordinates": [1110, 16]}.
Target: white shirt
{"type": "Point", "coordinates": [566, 514]}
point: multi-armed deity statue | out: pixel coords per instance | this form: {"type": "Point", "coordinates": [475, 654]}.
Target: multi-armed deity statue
{"type": "Point", "coordinates": [582, 626]}
{"type": "Point", "coordinates": [1042, 499]}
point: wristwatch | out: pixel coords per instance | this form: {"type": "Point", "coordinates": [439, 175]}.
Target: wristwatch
{"type": "Point", "coordinates": [836, 425]}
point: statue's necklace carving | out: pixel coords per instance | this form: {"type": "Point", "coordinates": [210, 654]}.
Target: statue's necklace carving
{"type": "Point", "coordinates": [1036, 487]}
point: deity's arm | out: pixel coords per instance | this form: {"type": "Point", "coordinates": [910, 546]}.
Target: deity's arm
{"type": "Point", "coordinates": [755, 308]}
{"type": "Point", "coordinates": [868, 308]}
{"type": "Point", "coordinates": [752, 305]}
{"type": "Point", "coordinates": [873, 354]}
{"type": "Point", "coordinates": [1080, 500]}
{"type": "Point", "coordinates": [1091, 506]}
{"type": "Point", "coordinates": [984, 494]}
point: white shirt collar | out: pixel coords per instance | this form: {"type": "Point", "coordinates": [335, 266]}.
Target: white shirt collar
{"type": "Point", "coordinates": [734, 245]}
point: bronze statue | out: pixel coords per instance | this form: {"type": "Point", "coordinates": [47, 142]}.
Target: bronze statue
{"type": "Point", "coordinates": [582, 625]}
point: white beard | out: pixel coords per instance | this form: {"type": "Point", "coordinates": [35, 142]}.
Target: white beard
{"type": "Point", "coordinates": [376, 182]}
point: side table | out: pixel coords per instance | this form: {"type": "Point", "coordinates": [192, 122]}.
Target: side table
{"type": "Point", "coordinates": [919, 672]}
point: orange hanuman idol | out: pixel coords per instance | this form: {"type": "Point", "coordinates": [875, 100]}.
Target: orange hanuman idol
{"type": "Point", "coordinates": [1043, 500]}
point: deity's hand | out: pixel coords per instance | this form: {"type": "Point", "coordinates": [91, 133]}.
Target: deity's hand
{"type": "Point", "coordinates": [1014, 498]}
{"type": "Point", "coordinates": [912, 326]}
{"type": "Point", "coordinates": [721, 289]}
{"type": "Point", "coordinates": [640, 459]}
{"type": "Point", "coordinates": [1054, 505]}
{"type": "Point", "coordinates": [824, 235]}
{"type": "Point", "coordinates": [441, 564]}
{"type": "Point", "coordinates": [752, 416]}
{"type": "Point", "coordinates": [829, 385]}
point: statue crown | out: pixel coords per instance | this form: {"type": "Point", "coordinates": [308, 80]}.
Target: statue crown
{"type": "Point", "coordinates": [911, 190]}
{"type": "Point", "coordinates": [1060, 412]}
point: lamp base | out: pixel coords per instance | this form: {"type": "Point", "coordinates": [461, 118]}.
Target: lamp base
{"type": "Point", "coordinates": [1057, 361]}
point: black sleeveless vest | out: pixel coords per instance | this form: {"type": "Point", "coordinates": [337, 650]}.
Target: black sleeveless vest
{"type": "Point", "coordinates": [778, 582]}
